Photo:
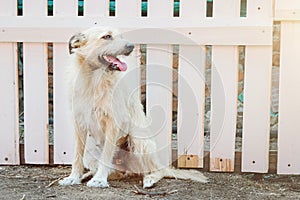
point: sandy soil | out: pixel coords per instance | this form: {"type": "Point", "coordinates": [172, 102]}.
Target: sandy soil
{"type": "Point", "coordinates": [40, 182]}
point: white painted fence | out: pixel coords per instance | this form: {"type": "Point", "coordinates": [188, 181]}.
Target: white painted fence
{"type": "Point", "coordinates": [192, 30]}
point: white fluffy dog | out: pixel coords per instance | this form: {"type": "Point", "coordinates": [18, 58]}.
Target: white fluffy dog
{"type": "Point", "coordinates": [107, 118]}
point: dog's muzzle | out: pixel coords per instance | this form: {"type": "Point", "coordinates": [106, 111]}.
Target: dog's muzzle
{"type": "Point", "coordinates": [114, 64]}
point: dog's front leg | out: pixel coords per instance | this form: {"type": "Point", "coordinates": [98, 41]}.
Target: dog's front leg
{"type": "Point", "coordinates": [105, 162]}
{"type": "Point", "coordinates": [77, 165]}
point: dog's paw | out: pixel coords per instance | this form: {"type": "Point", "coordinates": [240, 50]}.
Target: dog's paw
{"type": "Point", "coordinates": [71, 180]}
{"type": "Point", "coordinates": [148, 182]}
{"type": "Point", "coordinates": [94, 182]}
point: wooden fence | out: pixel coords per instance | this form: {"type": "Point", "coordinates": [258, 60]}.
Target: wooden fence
{"type": "Point", "coordinates": [191, 29]}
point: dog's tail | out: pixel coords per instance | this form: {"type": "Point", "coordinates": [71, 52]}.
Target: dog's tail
{"type": "Point", "coordinates": [185, 174]}
{"type": "Point", "coordinates": [154, 177]}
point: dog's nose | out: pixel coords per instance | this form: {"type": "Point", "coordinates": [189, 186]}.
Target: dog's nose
{"type": "Point", "coordinates": [129, 46]}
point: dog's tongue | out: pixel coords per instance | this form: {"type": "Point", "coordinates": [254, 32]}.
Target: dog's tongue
{"type": "Point", "coordinates": [121, 65]}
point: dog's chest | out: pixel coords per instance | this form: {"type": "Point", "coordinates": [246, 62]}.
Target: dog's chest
{"type": "Point", "coordinates": [92, 102]}
{"type": "Point", "coordinates": [101, 98]}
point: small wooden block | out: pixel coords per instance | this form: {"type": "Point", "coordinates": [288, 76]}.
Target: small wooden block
{"type": "Point", "coordinates": [188, 161]}
{"type": "Point", "coordinates": [221, 165]}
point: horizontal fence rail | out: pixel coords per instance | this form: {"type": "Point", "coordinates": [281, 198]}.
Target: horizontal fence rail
{"type": "Point", "coordinates": [157, 27]}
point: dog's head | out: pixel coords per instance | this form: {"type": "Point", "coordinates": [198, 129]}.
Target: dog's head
{"type": "Point", "coordinates": [100, 47]}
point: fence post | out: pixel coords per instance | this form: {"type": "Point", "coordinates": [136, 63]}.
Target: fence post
{"type": "Point", "coordinates": [288, 12]}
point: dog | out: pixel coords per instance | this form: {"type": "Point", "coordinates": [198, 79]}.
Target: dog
{"type": "Point", "coordinates": [107, 118]}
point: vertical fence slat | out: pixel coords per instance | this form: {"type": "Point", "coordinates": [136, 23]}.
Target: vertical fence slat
{"type": "Point", "coordinates": [96, 8]}
{"type": "Point", "coordinates": [63, 120]}
{"type": "Point", "coordinates": [224, 93]}
{"type": "Point", "coordinates": [289, 98]}
{"type": "Point", "coordinates": [287, 10]}
{"type": "Point", "coordinates": [66, 7]}
{"type": "Point", "coordinates": [9, 137]}
{"type": "Point", "coordinates": [128, 8]}
{"type": "Point", "coordinates": [159, 84]}
{"type": "Point", "coordinates": [8, 8]}
{"type": "Point", "coordinates": [159, 98]}
{"type": "Point", "coordinates": [258, 65]}
{"type": "Point", "coordinates": [224, 106]}
{"type": "Point", "coordinates": [192, 8]}
{"type": "Point", "coordinates": [36, 140]}
{"type": "Point", "coordinates": [256, 121]}
{"type": "Point", "coordinates": [160, 9]}
{"type": "Point", "coordinates": [260, 10]}
{"type": "Point", "coordinates": [63, 124]}
{"type": "Point", "coordinates": [226, 9]}
{"type": "Point", "coordinates": [35, 103]}
{"type": "Point", "coordinates": [191, 91]}
{"type": "Point", "coordinates": [191, 98]}
{"type": "Point", "coordinates": [38, 8]}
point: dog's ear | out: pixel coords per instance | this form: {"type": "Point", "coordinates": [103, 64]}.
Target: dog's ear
{"type": "Point", "coordinates": [76, 41]}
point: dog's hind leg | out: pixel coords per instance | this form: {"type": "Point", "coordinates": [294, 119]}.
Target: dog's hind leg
{"type": "Point", "coordinates": [146, 152]}
{"type": "Point", "coordinates": [77, 165]}
{"type": "Point", "coordinates": [149, 165]}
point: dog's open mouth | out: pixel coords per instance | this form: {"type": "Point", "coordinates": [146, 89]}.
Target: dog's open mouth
{"type": "Point", "coordinates": [115, 63]}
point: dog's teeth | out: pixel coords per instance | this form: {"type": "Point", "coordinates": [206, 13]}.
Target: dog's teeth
{"type": "Point", "coordinates": [115, 66]}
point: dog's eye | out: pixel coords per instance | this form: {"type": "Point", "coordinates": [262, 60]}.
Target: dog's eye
{"type": "Point", "coordinates": [107, 37]}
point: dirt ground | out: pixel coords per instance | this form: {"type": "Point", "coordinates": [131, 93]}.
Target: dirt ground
{"type": "Point", "coordinates": [40, 182]}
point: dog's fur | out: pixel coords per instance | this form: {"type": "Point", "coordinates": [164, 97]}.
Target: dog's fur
{"type": "Point", "coordinates": [107, 118]}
